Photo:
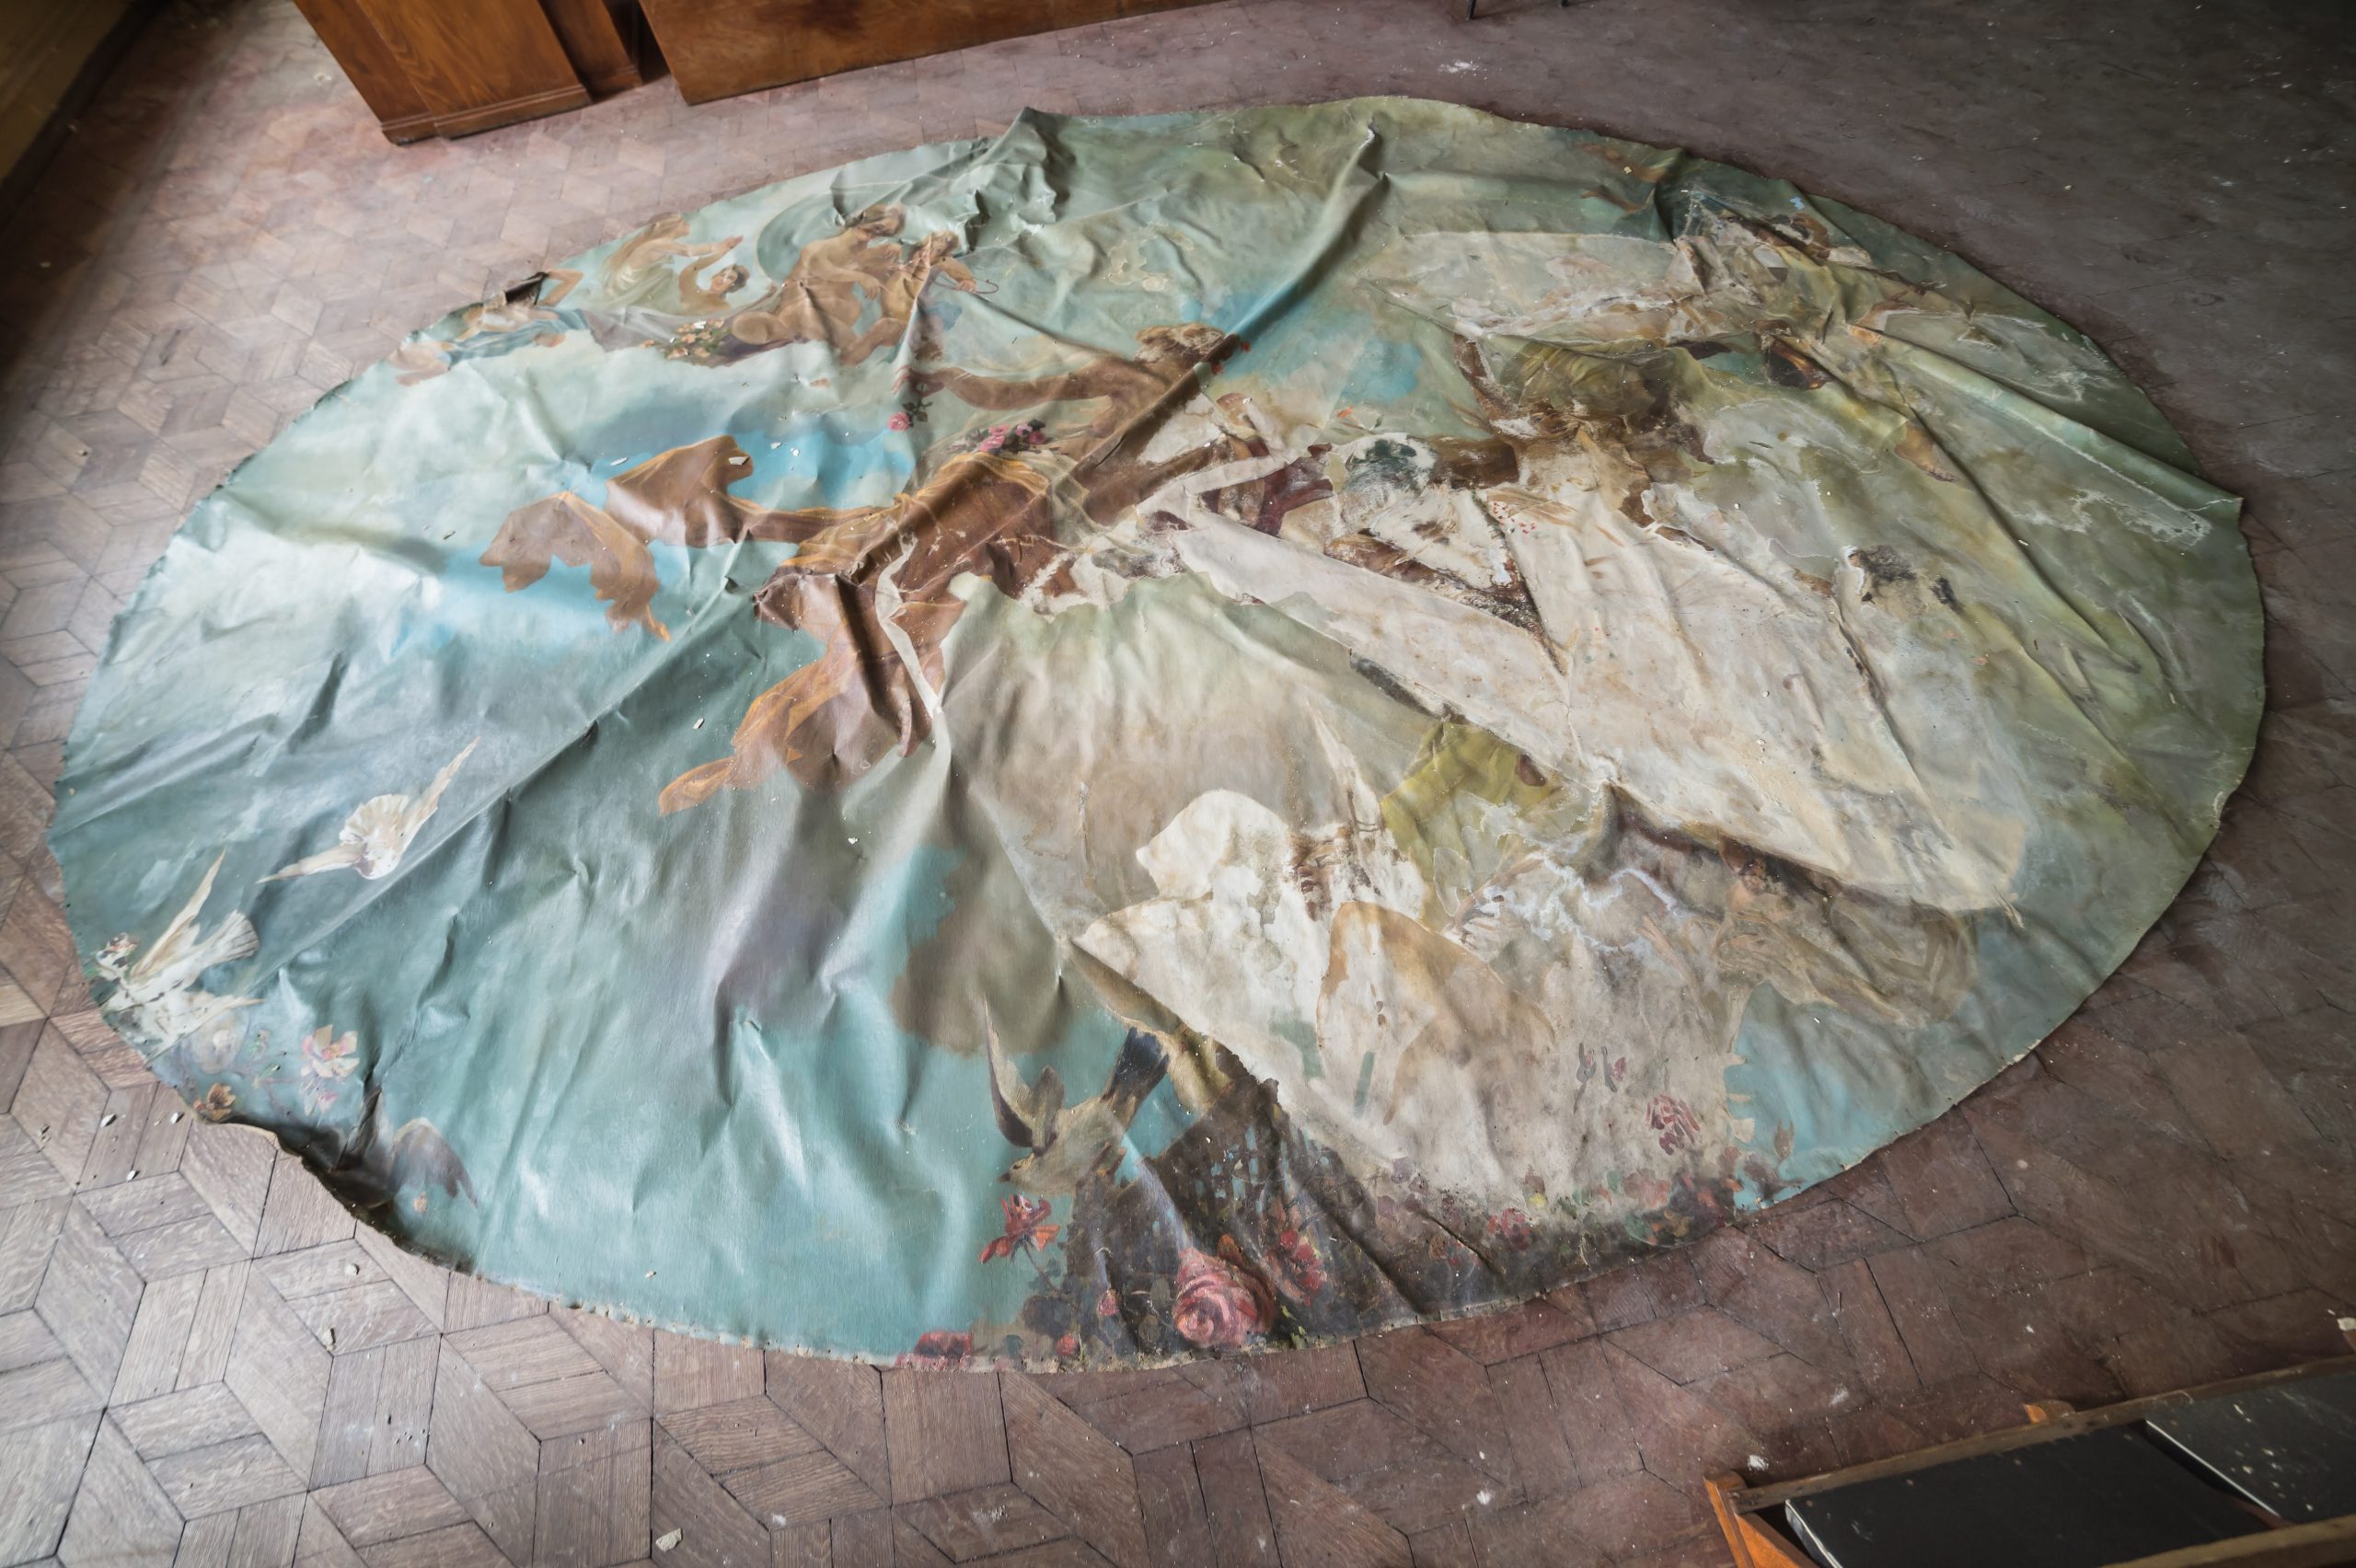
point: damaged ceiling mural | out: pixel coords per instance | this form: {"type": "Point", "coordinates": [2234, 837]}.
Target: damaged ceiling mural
{"type": "Point", "coordinates": [1159, 736]}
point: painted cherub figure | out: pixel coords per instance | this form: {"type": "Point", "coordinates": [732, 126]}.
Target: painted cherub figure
{"type": "Point", "coordinates": [902, 290]}
{"type": "Point", "coordinates": [525, 311]}
{"type": "Point", "coordinates": [821, 298]}
{"type": "Point", "coordinates": [641, 270]}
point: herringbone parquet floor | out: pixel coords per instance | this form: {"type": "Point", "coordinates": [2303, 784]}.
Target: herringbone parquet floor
{"type": "Point", "coordinates": [203, 1364]}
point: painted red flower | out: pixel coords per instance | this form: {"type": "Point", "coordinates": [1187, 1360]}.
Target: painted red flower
{"type": "Point", "coordinates": [899, 421]}
{"type": "Point", "coordinates": [940, 1350]}
{"type": "Point", "coordinates": [1300, 1273]}
{"type": "Point", "coordinates": [1675, 1122]}
{"type": "Point", "coordinates": [1510, 1226]}
{"type": "Point", "coordinates": [1297, 1255]}
{"type": "Point", "coordinates": [1220, 1304]}
{"type": "Point", "coordinates": [1024, 1227]}
{"type": "Point", "coordinates": [1109, 1304]}
{"type": "Point", "coordinates": [1068, 1346]}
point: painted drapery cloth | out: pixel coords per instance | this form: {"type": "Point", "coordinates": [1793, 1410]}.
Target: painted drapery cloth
{"type": "Point", "coordinates": [1153, 736]}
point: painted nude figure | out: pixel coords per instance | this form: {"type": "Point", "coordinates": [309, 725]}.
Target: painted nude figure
{"type": "Point", "coordinates": [640, 271]}
{"type": "Point", "coordinates": [525, 307]}
{"type": "Point", "coordinates": [903, 288]}
{"type": "Point", "coordinates": [820, 299]}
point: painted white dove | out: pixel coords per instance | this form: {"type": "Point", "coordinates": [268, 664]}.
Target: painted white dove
{"type": "Point", "coordinates": [378, 831]}
{"type": "Point", "coordinates": [154, 994]}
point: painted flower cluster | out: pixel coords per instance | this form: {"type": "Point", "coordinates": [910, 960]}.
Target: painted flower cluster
{"type": "Point", "coordinates": [1007, 439]}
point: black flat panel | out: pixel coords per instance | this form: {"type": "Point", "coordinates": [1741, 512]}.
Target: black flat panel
{"type": "Point", "coordinates": [2291, 1448]}
{"type": "Point", "coordinates": [2073, 1503]}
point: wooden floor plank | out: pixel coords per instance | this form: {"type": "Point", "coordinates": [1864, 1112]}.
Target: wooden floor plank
{"type": "Point", "coordinates": [279, 1373]}
{"type": "Point", "coordinates": [121, 1518]}
{"type": "Point", "coordinates": [40, 1468]}
{"type": "Point", "coordinates": [487, 1458]}
{"type": "Point", "coordinates": [841, 1404]}
{"type": "Point", "coordinates": [696, 1524]}
{"type": "Point", "coordinates": [384, 1507]}
{"type": "Point", "coordinates": [1320, 1526]}
{"type": "Point", "coordinates": [1076, 1471]}
{"type": "Point", "coordinates": [946, 1431]}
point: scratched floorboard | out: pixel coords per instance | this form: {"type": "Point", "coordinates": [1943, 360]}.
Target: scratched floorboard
{"type": "Point", "coordinates": [202, 1364]}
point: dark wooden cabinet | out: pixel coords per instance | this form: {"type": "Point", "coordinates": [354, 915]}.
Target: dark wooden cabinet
{"type": "Point", "coordinates": [600, 38]}
{"type": "Point", "coordinates": [451, 67]}
{"type": "Point", "coordinates": [717, 47]}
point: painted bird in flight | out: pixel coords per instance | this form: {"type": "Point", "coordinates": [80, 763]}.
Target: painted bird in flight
{"type": "Point", "coordinates": [155, 1001]}
{"type": "Point", "coordinates": [1067, 1143]}
{"type": "Point", "coordinates": [378, 831]}
{"type": "Point", "coordinates": [382, 1162]}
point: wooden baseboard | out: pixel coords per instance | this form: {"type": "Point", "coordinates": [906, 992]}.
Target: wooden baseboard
{"type": "Point", "coordinates": [491, 116]}
{"type": "Point", "coordinates": [401, 130]}
{"type": "Point", "coordinates": [717, 48]}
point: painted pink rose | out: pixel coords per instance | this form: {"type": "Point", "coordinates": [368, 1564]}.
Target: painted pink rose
{"type": "Point", "coordinates": [899, 421]}
{"type": "Point", "coordinates": [1219, 1305]}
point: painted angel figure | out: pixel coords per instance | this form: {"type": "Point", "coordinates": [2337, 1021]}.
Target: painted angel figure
{"type": "Point", "coordinates": [821, 297]}
{"type": "Point", "coordinates": [903, 287]}
{"type": "Point", "coordinates": [657, 269]}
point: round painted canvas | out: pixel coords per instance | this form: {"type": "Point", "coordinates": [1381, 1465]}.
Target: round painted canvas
{"type": "Point", "coordinates": [1158, 736]}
